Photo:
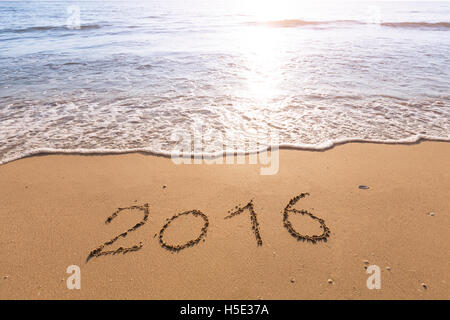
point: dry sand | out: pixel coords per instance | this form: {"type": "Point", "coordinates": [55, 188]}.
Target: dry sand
{"type": "Point", "coordinates": [53, 210]}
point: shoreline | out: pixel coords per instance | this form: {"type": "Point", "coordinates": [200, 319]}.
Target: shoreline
{"type": "Point", "coordinates": [325, 147]}
{"type": "Point", "coordinates": [54, 208]}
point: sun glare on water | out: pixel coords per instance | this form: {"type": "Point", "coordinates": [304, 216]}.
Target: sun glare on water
{"type": "Point", "coordinates": [262, 46]}
{"type": "Point", "coordinates": [273, 10]}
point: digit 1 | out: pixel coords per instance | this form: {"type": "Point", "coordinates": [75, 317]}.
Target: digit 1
{"type": "Point", "coordinates": [253, 218]}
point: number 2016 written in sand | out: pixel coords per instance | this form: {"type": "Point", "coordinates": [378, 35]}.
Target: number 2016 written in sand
{"type": "Point", "coordinates": [249, 207]}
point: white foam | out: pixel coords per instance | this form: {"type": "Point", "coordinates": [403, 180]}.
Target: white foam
{"type": "Point", "coordinates": [305, 147]}
{"type": "Point", "coordinates": [107, 90]}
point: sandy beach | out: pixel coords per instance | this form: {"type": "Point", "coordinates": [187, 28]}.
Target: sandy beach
{"type": "Point", "coordinates": [53, 210]}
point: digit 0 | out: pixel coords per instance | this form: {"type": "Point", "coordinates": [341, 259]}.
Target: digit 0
{"type": "Point", "coordinates": [190, 243]}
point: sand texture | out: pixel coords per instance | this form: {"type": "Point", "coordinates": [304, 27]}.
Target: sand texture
{"type": "Point", "coordinates": [139, 226]}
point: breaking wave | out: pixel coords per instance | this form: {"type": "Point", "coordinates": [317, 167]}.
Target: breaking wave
{"type": "Point", "coordinates": [50, 28]}
{"type": "Point", "coordinates": [292, 23]}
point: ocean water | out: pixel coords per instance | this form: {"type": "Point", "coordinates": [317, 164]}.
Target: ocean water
{"type": "Point", "coordinates": [132, 75]}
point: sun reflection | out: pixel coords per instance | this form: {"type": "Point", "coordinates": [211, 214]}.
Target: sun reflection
{"type": "Point", "coordinates": [261, 49]}
{"type": "Point", "coordinates": [263, 46]}
{"type": "Point", "coordinates": [269, 10]}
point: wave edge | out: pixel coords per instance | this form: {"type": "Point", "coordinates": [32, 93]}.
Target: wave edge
{"type": "Point", "coordinates": [327, 145]}
{"type": "Point", "coordinates": [292, 23]}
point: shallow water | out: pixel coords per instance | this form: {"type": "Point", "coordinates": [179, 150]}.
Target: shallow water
{"type": "Point", "coordinates": [138, 74]}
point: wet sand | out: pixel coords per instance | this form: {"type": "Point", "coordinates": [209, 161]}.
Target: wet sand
{"type": "Point", "coordinates": [53, 210]}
